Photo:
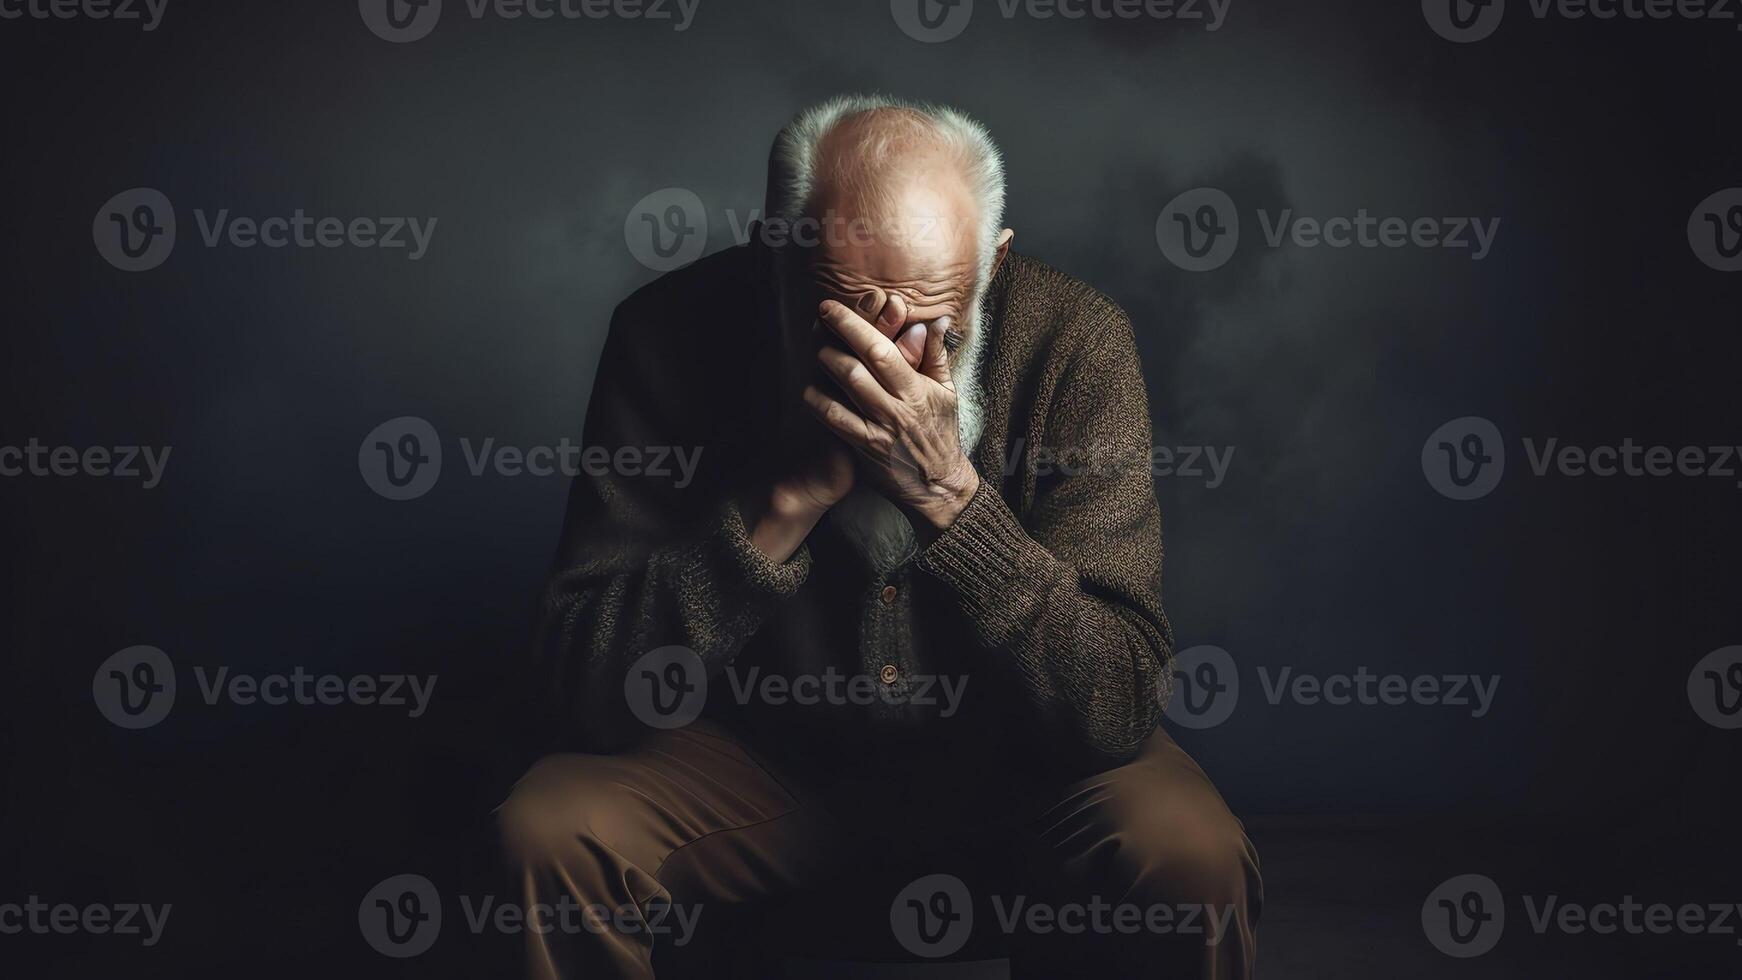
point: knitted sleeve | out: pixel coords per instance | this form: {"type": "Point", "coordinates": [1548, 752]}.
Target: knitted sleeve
{"type": "Point", "coordinates": [1069, 592]}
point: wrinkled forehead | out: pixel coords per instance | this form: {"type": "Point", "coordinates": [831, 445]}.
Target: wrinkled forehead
{"type": "Point", "coordinates": [918, 241]}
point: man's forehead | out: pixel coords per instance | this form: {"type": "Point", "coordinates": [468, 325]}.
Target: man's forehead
{"type": "Point", "coordinates": [909, 222]}
{"type": "Point", "coordinates": [889, 248]}
{"type": "Point", "coordinates": [890, 267]}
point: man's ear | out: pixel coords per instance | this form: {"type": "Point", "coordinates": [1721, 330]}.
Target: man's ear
{"type": "Point", "coordinates": [1003, 249]}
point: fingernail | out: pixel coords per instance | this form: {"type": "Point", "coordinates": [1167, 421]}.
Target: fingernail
{"type": "Point", "coordinates": [868, 304]}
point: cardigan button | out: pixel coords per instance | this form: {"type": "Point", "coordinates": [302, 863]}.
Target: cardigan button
{"type": "Point", "coordinates": [888, 595]}
{"type": "Point", "coordinates": [888, 673]}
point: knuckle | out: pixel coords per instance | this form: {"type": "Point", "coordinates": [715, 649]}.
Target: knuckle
{"type": "Point", "coordinates": [884, 356]}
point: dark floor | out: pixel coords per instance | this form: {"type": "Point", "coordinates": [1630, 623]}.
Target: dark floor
{"type": "Point", "coordinates": [1344, 899]}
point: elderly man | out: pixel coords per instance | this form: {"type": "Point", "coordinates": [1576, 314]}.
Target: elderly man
{"type": "Point", "coordinates": [908, 607]}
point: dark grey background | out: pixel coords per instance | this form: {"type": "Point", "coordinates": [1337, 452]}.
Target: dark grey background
{"type": "Point", "coordinates": [1325, 550]}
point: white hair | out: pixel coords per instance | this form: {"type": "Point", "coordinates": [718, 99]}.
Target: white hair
{"type": "Point", "coordinates": [792, 163]}
{"type": "Point", "coordinates": [793, 178]}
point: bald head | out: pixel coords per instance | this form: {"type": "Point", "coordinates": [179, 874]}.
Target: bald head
{"type": "Point", "coordinates": [900, 217]}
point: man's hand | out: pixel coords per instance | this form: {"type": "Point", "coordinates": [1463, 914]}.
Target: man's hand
{"type": "Point", "coordinates": [903, 420]}
{"type": "Point", "coordinates": [819, 482]}
{"type": "Point", "coordinates": [825, 475]}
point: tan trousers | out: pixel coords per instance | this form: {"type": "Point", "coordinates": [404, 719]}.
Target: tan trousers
{"type": "Point", "coordinates": [1138, 871]}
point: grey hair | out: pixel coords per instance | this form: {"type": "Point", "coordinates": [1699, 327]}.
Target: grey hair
{"type": "Point", "coordinates": [792, 163]}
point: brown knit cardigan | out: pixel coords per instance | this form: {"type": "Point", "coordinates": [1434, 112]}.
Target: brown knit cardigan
{"type": "Point", "coordinates": [1041, 601]}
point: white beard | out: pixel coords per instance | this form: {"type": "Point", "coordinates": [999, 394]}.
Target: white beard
{"type": "Point", "coordinates": [877, 529]}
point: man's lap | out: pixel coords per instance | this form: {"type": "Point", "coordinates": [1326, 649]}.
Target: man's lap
{"type": "Point", "coordinates": [699, 811]}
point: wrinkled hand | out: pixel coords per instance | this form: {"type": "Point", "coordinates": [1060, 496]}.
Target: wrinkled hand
{"type": "Point", "coordinates": [817, 482]}
{"type": "Point", "coordinates": [902, 421]}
